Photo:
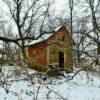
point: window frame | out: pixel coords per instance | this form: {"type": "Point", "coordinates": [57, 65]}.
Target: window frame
{"type": "Point", "coordinates": [34, 55]}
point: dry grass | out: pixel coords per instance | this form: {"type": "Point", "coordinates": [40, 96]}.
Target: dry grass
{"type": "Point", "coordinates": [46, 69]}
{"type": "Point", "coordinates": [38, 67]}
{"type": "Point", "coordinates": [53, 72]}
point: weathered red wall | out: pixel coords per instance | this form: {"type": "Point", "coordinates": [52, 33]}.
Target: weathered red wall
{"type": "Point", "coordinates": [41, 55]}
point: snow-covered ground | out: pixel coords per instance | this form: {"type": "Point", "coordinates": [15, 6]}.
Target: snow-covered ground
{"type": "Point", "coordinates": [84, 86]}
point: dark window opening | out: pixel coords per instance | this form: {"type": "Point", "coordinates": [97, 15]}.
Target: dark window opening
{"type": "Point", "coordinates": [98, 49]}
{"type": "Point", "coordinates": [63, 38]}
{"type": "Point", "coordinates": [34, 56]}
{"type": "Point", "coordinates": [61, 59]}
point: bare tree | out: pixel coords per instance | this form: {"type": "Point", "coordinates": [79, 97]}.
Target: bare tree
{"type": "Point", "coordinates": [26, 16]}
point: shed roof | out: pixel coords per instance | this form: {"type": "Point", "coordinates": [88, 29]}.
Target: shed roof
{"type": "Point", "coordinates": [44, 36]}
{"type": "Point", "coordinates": [40, 39]}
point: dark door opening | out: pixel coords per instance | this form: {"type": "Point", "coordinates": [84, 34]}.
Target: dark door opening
{"type": "Point", "coordinates": [61, 59]}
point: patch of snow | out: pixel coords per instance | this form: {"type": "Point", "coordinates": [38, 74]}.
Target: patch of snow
{"type": "Point", "coordinates": [1, 44]}
{"type": "Point", "coordinates": [0, 55]}
{"type": "Point", "coordinates": [58, 28]}
{"type": "Point", "coordinates": [42, 38]}
{"type": "Point", "coordinates": [83, 86]}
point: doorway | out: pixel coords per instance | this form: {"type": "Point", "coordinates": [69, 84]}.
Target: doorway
{"type": "Point", "coordinates": [61, 59]}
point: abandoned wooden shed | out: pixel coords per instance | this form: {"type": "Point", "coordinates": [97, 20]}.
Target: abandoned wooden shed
{"type": "Point", "coordinates": [53, 49]}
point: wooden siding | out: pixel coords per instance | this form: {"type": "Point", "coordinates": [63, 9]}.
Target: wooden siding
{"type": "Point", "coordinates": [47, 52]}
{"type": "Point", "coordinates": [55, 48]}
{"type": "Point", "coordinates": [41, 55]}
